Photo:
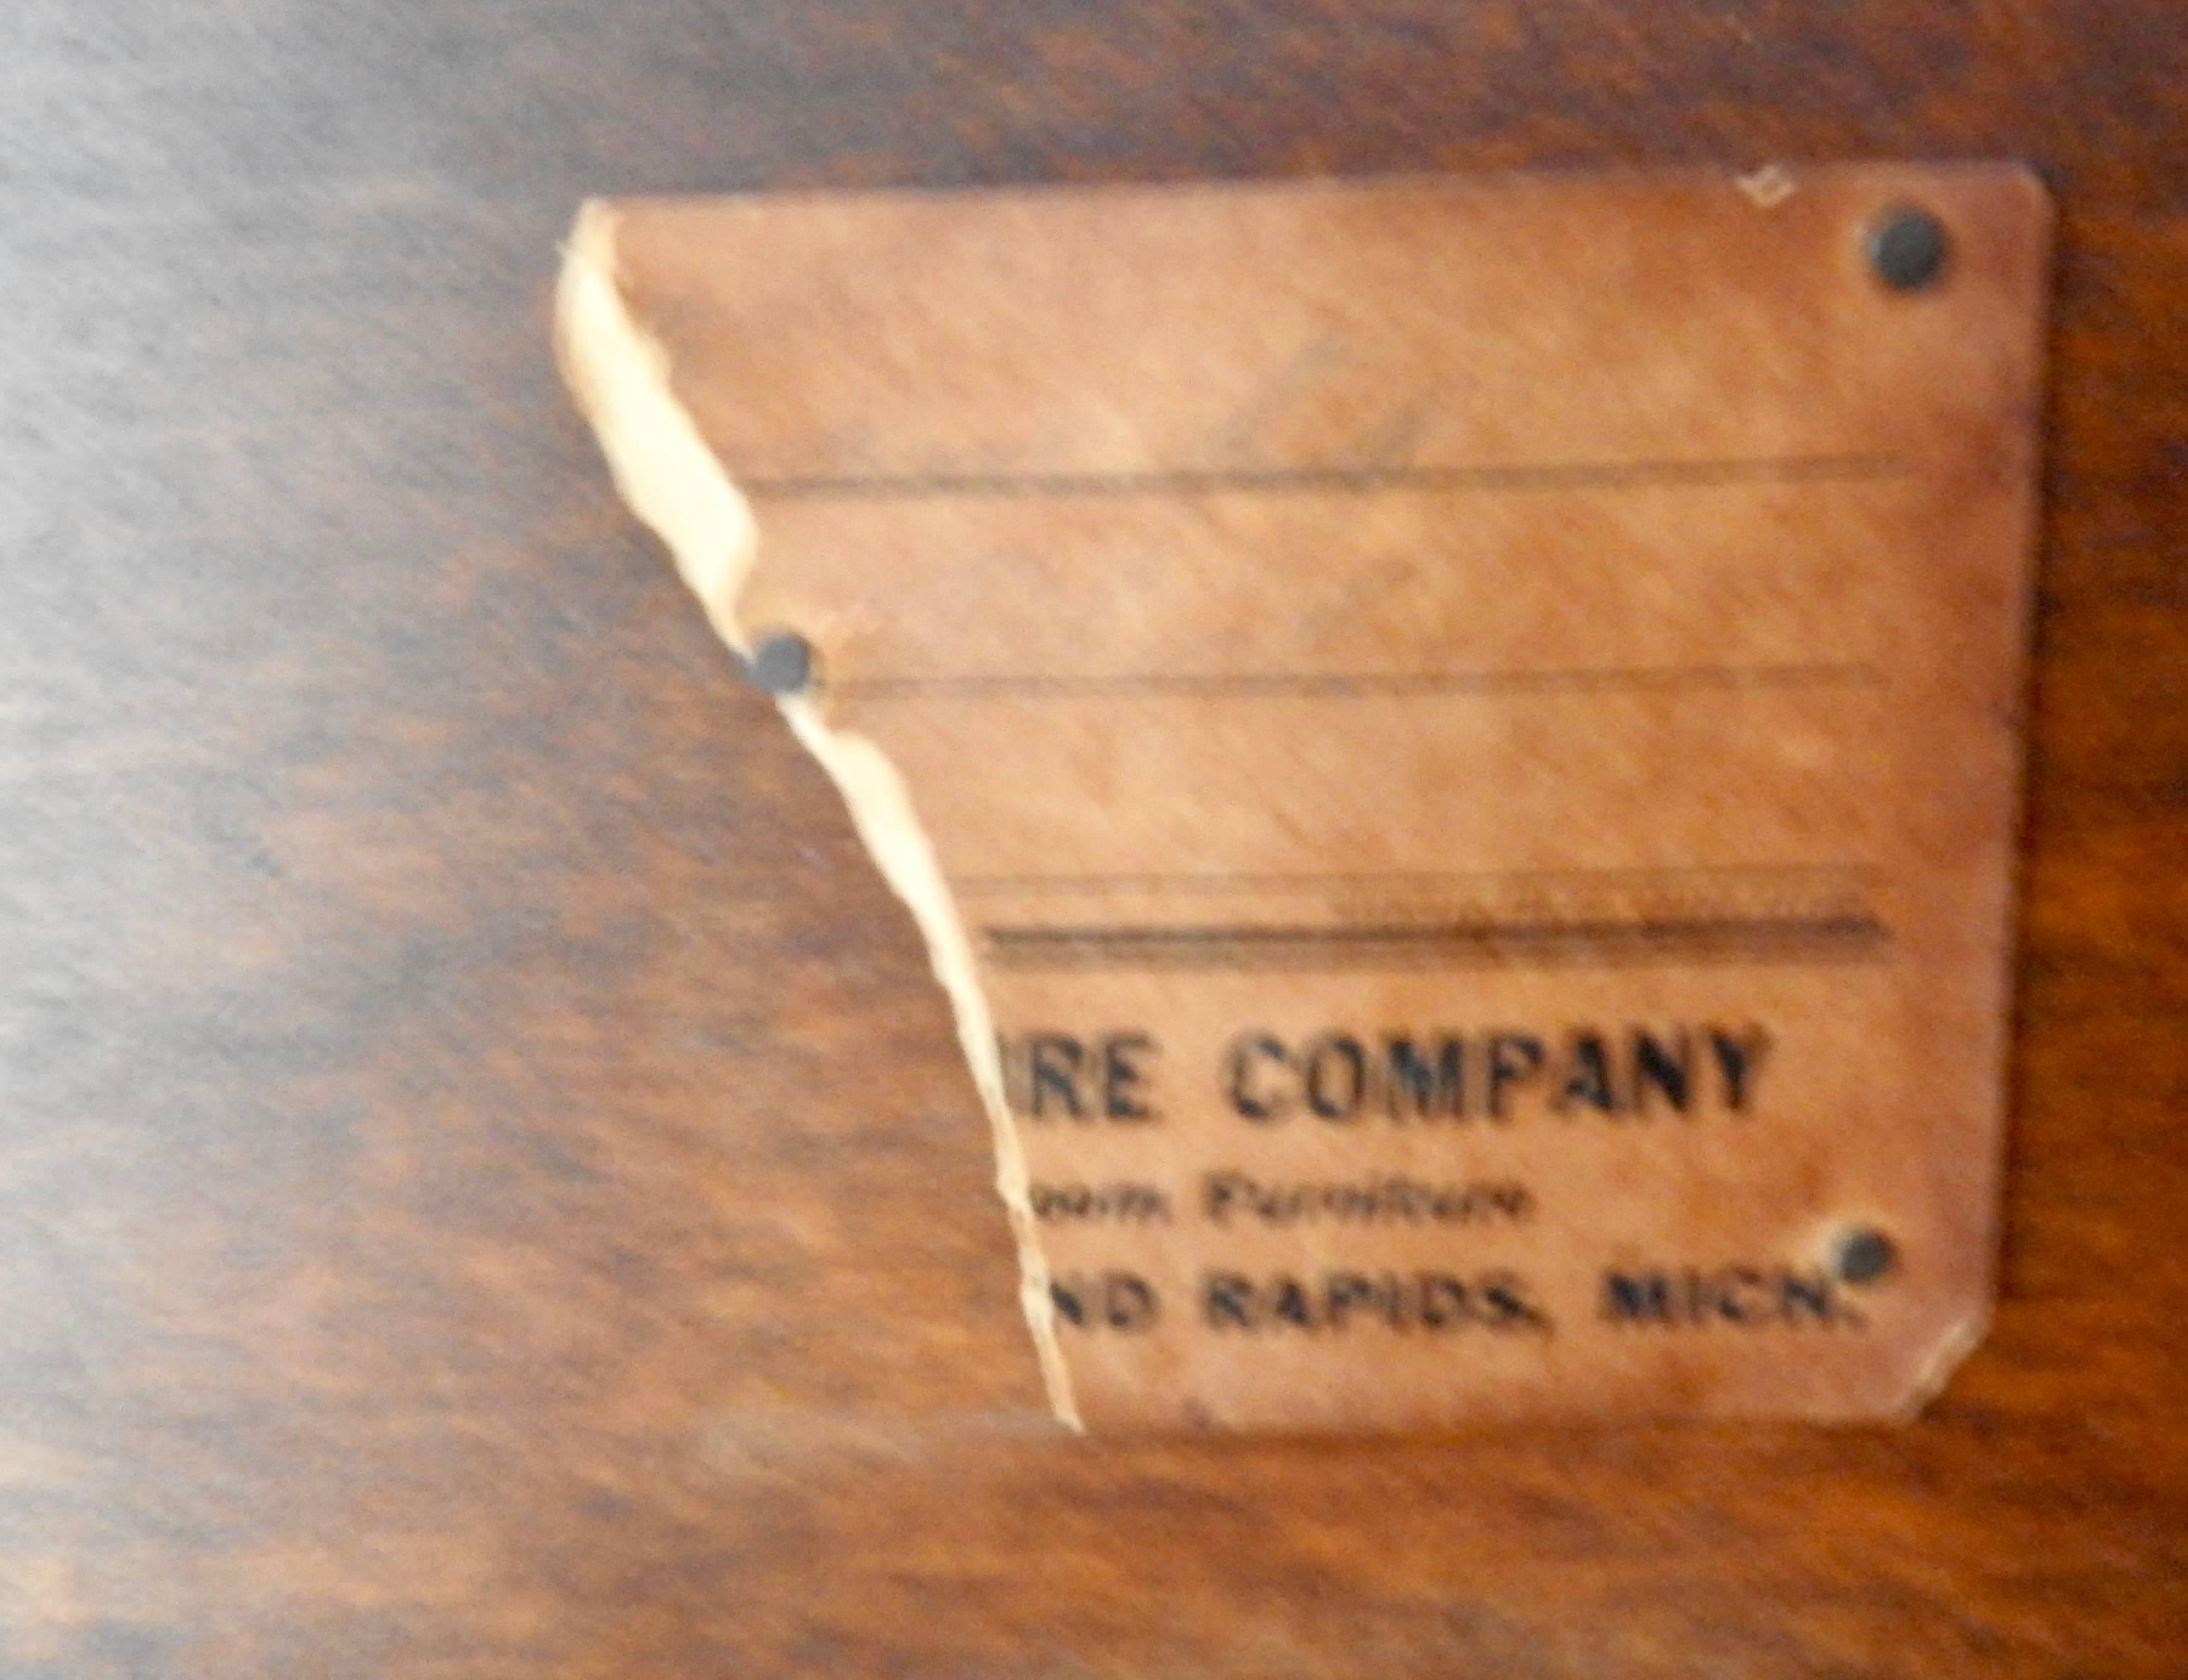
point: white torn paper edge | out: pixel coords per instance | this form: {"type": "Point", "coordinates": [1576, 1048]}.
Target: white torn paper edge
{"type": "Point", "coordinates": [1767, 187]}
{"type": "Point", "coordinates": [621, 377]}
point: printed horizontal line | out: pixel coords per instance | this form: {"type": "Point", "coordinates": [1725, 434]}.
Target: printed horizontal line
{"type": "Point", "coordinates": [1338, 480]}
{"type": "Point", "coordinates": [1654, 930]}
{"type": "Point", "coordinates": [1462, 944]}
{"type": "Point", "coordinates": [1251, 684]}
{"type": "Point", "coordinates": [1247, 880]}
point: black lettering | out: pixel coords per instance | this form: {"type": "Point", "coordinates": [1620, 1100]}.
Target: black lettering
{"type": "Point", "coordinates": [1251, 1101]}
{"type": "Point", "coordinates": [1054, 1060]}
{"type": "Point", "coordinates": [1734, 1292]}
{"type": "Point", "coordinates": [1121, 1076]}
{"type": "Point", "coordinates": [1067, 1293]}
{"type": "Point", "coordinates": [1391, 1302]}
{"type": "Point", "coordinates": [1809, 1295]}
{"type": "Point", "coordinates": [1443, 1299]}
{"type": "Point", "coordinates": [1115, 1301]}
{"type": "Point", "coordinates": [1638, 1298]}
{"type": "Point", "coordinates": [1343, 1291]}
{"type": "Point", "coordinates": [1513, 1059]}
{"type": "Point", "coordinates": [1291, 1304]}
{"type": "Point", "coordinates": [1750, 1297]}
{"type": "Point", "coordinates": [1126, 1201]}
{"type": "Point", "coordinates": [1504, 1298]}
{"type": "Point", "coordinates": [1227, 1300]}
{"type": "Point", "coordinates": [1587, 1076]}
{"type": "Point", "coordinates": [1219, 1190]}
{"type": "Point", "coordinates": [1740, 1059]}
{"type": "Point", "coordinates": [1514, 1201]}
{"type": "Point", "coordinates": [1337, 1100]}
{"type": "Point", "coordinates": [1411, 1080]}
{"type": "Point", "coordinates": [1144, 1202]}
{"type": "Point", "coordinates": [1664, 1070]}
{"type": "Point", "coordinates": [1129, 1302]}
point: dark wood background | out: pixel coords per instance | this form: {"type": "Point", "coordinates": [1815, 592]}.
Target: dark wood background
{"type": "Point", "coordinates": [486, 1185]}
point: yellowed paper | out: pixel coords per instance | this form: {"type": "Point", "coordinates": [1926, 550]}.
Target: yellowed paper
{"type": "Point", "coordinates": [1453, 744]}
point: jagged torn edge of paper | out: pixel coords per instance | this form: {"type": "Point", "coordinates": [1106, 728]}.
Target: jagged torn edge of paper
{"type": "Point", "coordinates": [621, 377]}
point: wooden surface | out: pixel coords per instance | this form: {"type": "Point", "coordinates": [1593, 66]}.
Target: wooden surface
{"type": "Point", "coordinates": [486, 1185]}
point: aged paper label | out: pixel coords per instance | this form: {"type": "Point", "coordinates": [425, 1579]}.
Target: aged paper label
{"type": "Point", "coordinates": [1455, 743]}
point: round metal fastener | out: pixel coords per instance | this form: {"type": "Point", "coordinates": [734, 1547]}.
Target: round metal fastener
{"type": "Point", "coordinates": [1907, 247]}
{"type": "Point", "coordinates": [1866, 1255]}
{"type": "Point", "coordinates": [782, 663]}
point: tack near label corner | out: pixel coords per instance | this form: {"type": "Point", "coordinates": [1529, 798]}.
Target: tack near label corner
{"type": "Point", "coordinates": [1450, 738]}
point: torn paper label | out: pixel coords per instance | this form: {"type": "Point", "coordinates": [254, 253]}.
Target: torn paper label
{"type": "Point", "coordinates": [1452, 743]}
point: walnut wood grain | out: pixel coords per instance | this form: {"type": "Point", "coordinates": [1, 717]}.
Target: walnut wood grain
{"type": "Point", "coordinates": [483, 1173]}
